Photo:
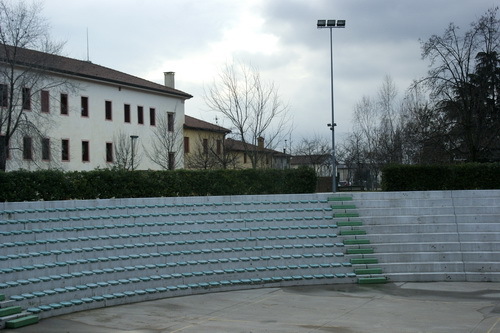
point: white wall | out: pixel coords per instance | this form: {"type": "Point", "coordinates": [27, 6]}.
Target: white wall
{"type": "Point", "coordinates": [96, 129]}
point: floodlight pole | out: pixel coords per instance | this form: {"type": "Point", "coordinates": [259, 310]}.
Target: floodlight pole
{"type": "Point", "coordinates": [330, 24]}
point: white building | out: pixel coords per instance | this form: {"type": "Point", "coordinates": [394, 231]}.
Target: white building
{"type": "Point", "coordinates": [91, 117]}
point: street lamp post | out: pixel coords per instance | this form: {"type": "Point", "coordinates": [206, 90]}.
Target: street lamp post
{"type": "Point", "coordinates": [330, 24]}
{"type": "Point", "coordinates": [132, 141]}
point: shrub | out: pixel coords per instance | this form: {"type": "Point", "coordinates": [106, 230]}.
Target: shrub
{"type": "Point", "coordinates": [468, 176]}
{"type": "Point", "coordinates": [58, 185]}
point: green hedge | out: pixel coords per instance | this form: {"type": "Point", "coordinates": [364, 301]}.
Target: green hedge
{"type": "Point", "coordinates": [468, 176]}
{"type": "Point", "coordinates": [58, 185]}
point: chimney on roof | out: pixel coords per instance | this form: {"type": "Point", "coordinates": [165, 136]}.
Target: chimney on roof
{"type": "Point", "coordinates": [169, 79]}
{"type": "Point", "coordinates": [260, 143]}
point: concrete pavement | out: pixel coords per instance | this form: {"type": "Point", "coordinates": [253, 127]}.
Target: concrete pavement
{"type": "Point", "coordinates": [393, 307]}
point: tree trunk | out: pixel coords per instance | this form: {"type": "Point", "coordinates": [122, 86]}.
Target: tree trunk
{"type": "Point", "coordinates": [3, 153]}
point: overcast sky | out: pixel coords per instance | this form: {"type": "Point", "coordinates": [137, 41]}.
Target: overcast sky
{"type": "Point", "coordinates": [194, 38]}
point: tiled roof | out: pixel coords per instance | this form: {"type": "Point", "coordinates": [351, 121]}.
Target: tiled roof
{"type": "Point", "coordinates": [82, 69]}
{"type": "Point", "coordinates": [236, 145]}
{"type": "Point", "coordinates": [194, 123]}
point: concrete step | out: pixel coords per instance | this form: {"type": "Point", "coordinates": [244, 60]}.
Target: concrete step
{"type": "Point", "coordinates": [430, 219]}
{"type": "Point", "coordinates": [443, 276]}
{"type": "Point", "coordinates": [340, 198]}
{"type": "Point", "coordinates": [356, 241]}
{"type": "Point", "coordinates": [363, 261]}
{"type": "Point", "coordinates": [11, 310]}
{"type": "Point", "coordinates": [406, 211]}
{"type": "Point", "coordinates": [471, 258]}
{"type": "Point", "coordinates": [410, 228]}
{"type": "Point", "coordinates": [27, 319]}
{"type": "Point", "coordinates": [6, 304]}
{"type": "Point", "coordinates": [352, 232]}
{"type": "Point", "coordinates": [413, 238]}
{"type": "Point", "coordinates": [368, 271]}
{"type": "Point", "coordinates": [479, 227]}
{"type": "Point", "coordinates": [359, 251]}
{"type": "Point", "coordinates": [436, 247]}
{"type": "Point", "coordinates": [416, 257]}
{"type": "Point", "coordinates": [434, 195]}
{"type": "Point", "coordinates": [416, 247]}
{"type": "Point", "coordinates": [421, 267]}
{"type": "Point", "coordinates": [372, 280]}
{"type": "Point", "coordinates": [402, 203]}
{"type": "Point", "coordinates": [342, 207]}
{"type": "Point", "coordinates": [480, 246]}
{"type": "Point", "coordinates": [408, 219]}
{"type": "Point", "coordinates": [345, 214]}
{"type": "Point", "coordinates": [3, 320]}
{"type": "Point", "coordinates": [425, 276]}
{"type": "Point", "coordinates": [420, 202]}
{"type": "Point", "coordinates": [434, 237]}
{"type": "Point", "coordinates": [349, 223]}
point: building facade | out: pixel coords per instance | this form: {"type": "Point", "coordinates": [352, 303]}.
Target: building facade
{"type": "Point", "coordinates": [83, 116]}
{"type": "Point", "coordinates": [248, 155]}
{"type": "Point", "coordinates": [204, 144]}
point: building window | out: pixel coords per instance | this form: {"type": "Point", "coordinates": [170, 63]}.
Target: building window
{"type": "Point", "coordinates": [171, 160]}
{"type": "Point", "coordinates": [65, 149]}
{"type": "Point", "coordinates": [205, 146]}
{"type": "Point", "coordinates": [152, 116]}
{"type": "Point", "coordinates": [85, 151]}
{"type": "Point", "coordinates": [140, 115]}
{"type": "Point", "coordinates": [126, 113]}
{"type": "Point", "coordinates": [64, 104]}
{"type": "Point", "coordinates": [85, 106]}
{"type": "Point", "coordinates": [109, 152]}
{"type": "Point", "coordinates": [44, 97]}
{"type": "Point", "coordinates": [4, 95]}
{"type": "Point", "coordinates": [46, 149]}
{"type": "Point", "coordinates": [109, 110]}
{"type": "Point", "coordinates": [26, 99]}
{"type": "Point", "coordinates": [186, 144]}
{"type": "Point", "coordinates": [219, 146]}
{"type": "Point", "coordinates": [244, 158]}
{"type": "Point", "coordinates": [27, 148]}
{"type": "Point", "coordinates": [170, 122]}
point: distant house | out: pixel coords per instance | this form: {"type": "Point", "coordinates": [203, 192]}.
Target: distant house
{"type": "Point", "coordinates": [203, 144]}
{"type": "Point", "coordinates": [83, 124]}
{"type": "Point", "coordinates": [265, 158]}
{"type": "Point", "coordinates": [322, 163]}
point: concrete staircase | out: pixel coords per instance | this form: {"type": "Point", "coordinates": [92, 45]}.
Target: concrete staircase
{"type": "Point", "coordinates": [68, 256]}
{"type": "Point", "coordinates": [12, 316]}
{"type": "Point", "coordinates": [429, 236]}
{"type": "Point", "coordinates": [358, 249]}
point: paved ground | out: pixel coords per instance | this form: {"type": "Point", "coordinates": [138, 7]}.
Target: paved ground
{"type": "Point", "coordinates": [395, 307]}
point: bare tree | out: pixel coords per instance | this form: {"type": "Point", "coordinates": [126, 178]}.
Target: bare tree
{"type": "Point", "coordinates": [353, 152]}
{"type": "Point", "coordinates": [127, 155]}
{"type": "Point", "coordinates": [465, 82]}
{"type": "Point", "coordinates": [317, 152]}
{"type": "Point", "coordinates": [377, 137]}
{"type": "Point", "coordinates": [388, 146]}
{"type": "Point", "coordinates": [25, 77]}
{"type": "Point", "coordinates": [205, 154]}
{"type": "Point", "coordinates": [166, 144]}
{"type": "Point", "coordinates": [252, 106]}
